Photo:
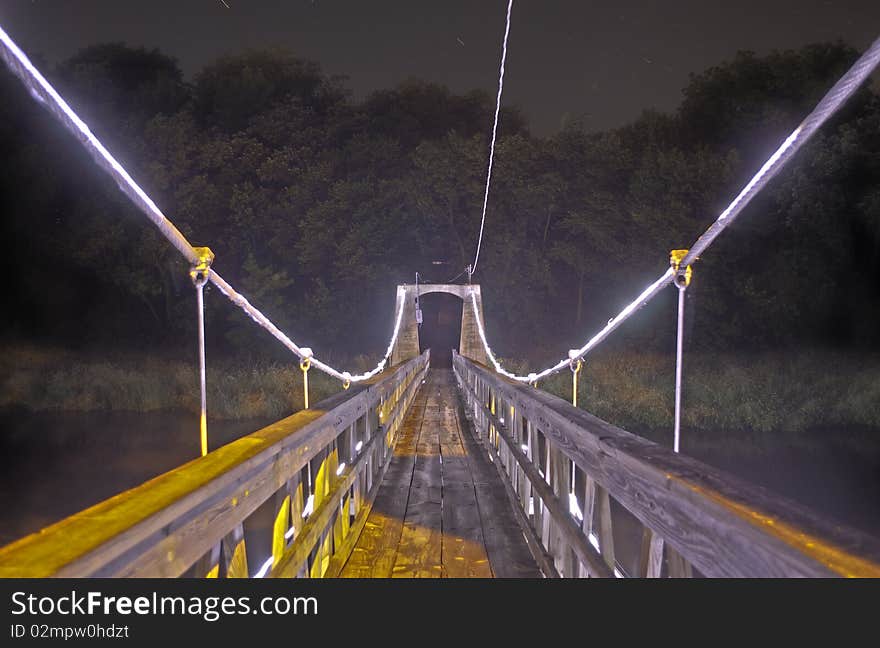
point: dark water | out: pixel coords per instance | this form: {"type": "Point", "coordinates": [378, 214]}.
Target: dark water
{"type": "Point", "coordinates": [839, 482]}
{"type": "Point", "coordinates": [53, 465]}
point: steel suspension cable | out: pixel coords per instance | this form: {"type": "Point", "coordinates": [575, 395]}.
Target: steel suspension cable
{"type": "Point", "coordinates": [473, 267]}
{"type": "Point", "coordinates": [828, 106]}
{"type": "Point", "coordinates": [43, 92]}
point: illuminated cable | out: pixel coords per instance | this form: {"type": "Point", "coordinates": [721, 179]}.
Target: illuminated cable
{"type": "Point", "coordinates": [473, 268]}
{"type": "Point", "coordinates": [828, 106]}
{"type": "Point", "coordinates": [43, 92]}
{"type": "Point", "coordinates": [647, 295]}
{"type": "Point", "coordinates": [830, 103]}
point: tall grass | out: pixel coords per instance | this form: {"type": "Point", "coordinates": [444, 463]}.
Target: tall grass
{"type": "Point", "coordinates": [56, 380]}
{"type": "Point", "coordinates": [736, 397]}
{"type": "Point", "coordinates": [727, 397]}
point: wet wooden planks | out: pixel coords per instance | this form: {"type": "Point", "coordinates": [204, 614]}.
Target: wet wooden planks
{"type": "Point", "coordinates": [441, 510]}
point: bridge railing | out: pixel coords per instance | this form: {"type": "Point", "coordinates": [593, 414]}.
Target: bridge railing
{"type": "Point", "coordinates": [595, 500]}
{"type": "Point", "coordinates": [318, 470]}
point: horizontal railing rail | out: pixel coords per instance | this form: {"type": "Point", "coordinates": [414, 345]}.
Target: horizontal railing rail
{"type": "Point", "coordinates": [595, 500]}
{"type": "Point", "coordinates": [319, 469]}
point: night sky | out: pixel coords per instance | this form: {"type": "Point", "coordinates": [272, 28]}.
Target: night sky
{"type": "Point", "coordinates": [600, 63]}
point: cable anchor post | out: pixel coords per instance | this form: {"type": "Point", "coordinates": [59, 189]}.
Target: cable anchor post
{"type": "Point", "coordinates": [199, 273]}
{"type": "Point", "coordinates": [682, 280]}
{"type": "Point", "coordinates": [575, 363]}
{"type": "Point", "coordinates": [304, 365]}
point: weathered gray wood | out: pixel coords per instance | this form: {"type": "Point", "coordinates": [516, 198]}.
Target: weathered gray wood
{"type": "Point", "coordinates": [719, 524]}
{"type": "Point", "coordinates": [678, 566]}
{"type": "Point", "coordinates": [604, 525]}
{"type": "Point", "coordinates": [234, 554]}
{"type": "Point", "coordinates": [435, 524]}
{"type": "Point", "coordinates": [651, 557]}
{"type": "Point", "coordinates": [556, 511]}
{"type": "Point", "coordinates": [208, 566]}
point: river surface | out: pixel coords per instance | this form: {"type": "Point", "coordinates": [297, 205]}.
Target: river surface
{"type": "Point", "coordinates": [53, 465]}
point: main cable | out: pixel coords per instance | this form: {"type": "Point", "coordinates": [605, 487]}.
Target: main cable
{"type": "Point", "coordinates": [473, 267]}
{"type": "Point", "coordinates": [828, 106]}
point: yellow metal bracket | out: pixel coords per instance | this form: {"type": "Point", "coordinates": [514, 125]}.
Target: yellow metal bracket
{"type": "Point", "coordinates": [199, 272]}
{"type": "Point", "coordinates": [675, 259]}
{"type": "Point", "coordinates": [304, 365]}
{"type": "Point", "coordinates": [576, 364]}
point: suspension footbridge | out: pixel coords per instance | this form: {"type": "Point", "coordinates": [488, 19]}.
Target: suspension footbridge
{"type": "Point", "coordinates": [418, 471]}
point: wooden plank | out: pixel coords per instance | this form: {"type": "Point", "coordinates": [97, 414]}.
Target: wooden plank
{"type": "Point", "coordinates": [281, 524]}
{"type": "Point", "coordinates": [464, 554]}
{"type": "Point", "coordinates": [439, 532]}
{"type": "Point", "coordinates": [718, 523]}
{"type": "Point", "coordinates": [420, 549]}
{"type": "Point", "coordinates": [678, 566]}
{"type": "Point", "coordinates": [375, 552]}
{"type": "Point", "coordinates": [651, 557]}
{"type": "Point", "coordinates": [604, 525]}
{"type": "Point", "coordinates": [427, 471]}
{"type": "Point", "coordinates": [208, 566]}
{"type": "Point", "coordinates": [234, 554]}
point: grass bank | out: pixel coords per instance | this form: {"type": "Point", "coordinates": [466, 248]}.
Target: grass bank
{"type": "Point", "coordinates": [729, 400]}
{"type": "Point", "coordinates": [62, 381]}
{"type": "Point", "coordinates": [742, 400]}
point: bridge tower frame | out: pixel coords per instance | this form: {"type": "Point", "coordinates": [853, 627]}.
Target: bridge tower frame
{"type": "Point", "coordinates": [407, 344]}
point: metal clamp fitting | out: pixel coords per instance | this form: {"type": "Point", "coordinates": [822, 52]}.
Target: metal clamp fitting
{"type": "Point", "coordinates": [200, 271]}
{"type": "Point", "coordinates": [575, 362]}
{"type": "Point", "coordinates": [682, 275]}
{"type": "Point", "coordinates": [306, 361]}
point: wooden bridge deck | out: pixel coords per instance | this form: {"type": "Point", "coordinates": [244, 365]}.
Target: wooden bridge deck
{"type": "Point", "coordinates": [441, 510]}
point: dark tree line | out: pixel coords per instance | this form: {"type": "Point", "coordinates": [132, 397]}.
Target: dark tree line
{"type": "Point", "coordinates": [316, 205]}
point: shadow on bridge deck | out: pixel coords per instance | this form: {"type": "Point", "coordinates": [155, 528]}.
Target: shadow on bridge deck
{"type": "Point", "coordinates": [441, 510]}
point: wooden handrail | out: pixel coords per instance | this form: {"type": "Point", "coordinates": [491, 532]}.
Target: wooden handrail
{"type": "Point", "coordinates": [166, 525]}
{"type": "Point", "coordinates": [706, 518]}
